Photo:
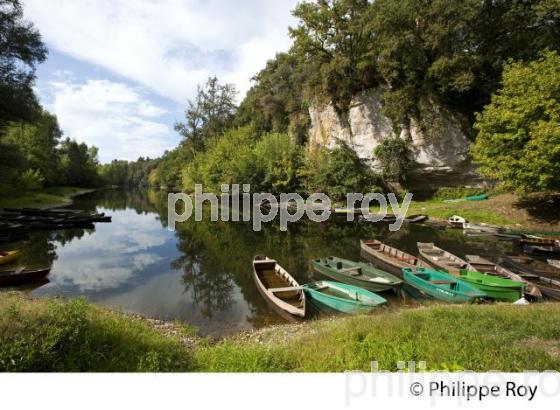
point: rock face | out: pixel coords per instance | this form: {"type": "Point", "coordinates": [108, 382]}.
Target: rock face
{"type": "Point", "coordinates": [440, 155]}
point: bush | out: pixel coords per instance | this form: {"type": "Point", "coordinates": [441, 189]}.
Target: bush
{"type": "Point", "coordinates": [392, 153]}
{"type": "Point", "coordinates": [31, 180]}
{"type": "Point", "coordinates": [337, 172]}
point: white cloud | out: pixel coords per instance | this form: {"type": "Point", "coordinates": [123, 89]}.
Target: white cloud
{"type": "Point", "coordinates": [169, 46]}
{"type": "Point", "coordinates": [115, 117]}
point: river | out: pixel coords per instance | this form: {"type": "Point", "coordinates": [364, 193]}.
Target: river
{"type": "Point", "coordinates": [201, 273]}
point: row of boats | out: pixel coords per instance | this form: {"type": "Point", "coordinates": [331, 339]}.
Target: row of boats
{"type": "Point", "coordinates": [353, 287]}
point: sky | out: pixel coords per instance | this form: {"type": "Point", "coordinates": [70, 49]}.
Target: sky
{"type": "Point", "coordinates": [119, 72]}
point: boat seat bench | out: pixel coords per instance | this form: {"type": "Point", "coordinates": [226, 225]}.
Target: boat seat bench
{"type": "Point", "coordinates": [287, 289]}
{"type": "Point", "coordinates": [443, 282]}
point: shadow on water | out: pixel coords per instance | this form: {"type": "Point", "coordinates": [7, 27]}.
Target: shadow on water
{"type": "Point", "coordinates": [201, 273]}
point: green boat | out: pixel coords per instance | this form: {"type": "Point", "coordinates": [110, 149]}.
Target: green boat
{"type": "Point", "coordinates": [442, 286]}
{"type": "Point", "coordinates": [482, 197]}
{"type": "Point", "coordinates": [358, 274]}
{"type": "Point", "coordinates": [494, 286]}
{"type": "Point", "coordinates": [338, 297]}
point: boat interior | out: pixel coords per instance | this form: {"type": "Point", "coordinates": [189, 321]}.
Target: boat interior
{"type": "Point", "coordinates": [274, 280]}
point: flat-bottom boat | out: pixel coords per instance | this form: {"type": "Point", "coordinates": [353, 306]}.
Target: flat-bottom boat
{"type": "Point", "coordinates": [22, 276]}
{"type": "Point", "coordinates": [442, 286]}
{"type": "Point", "coordinates": [278, 287]}
{"type": "Point", "coordinates": [494, 286]}
{"type": "Point", "coordinates": [8, 256]}
{"type": "Point", "coordinates": [486, 266]}
{"type": "Point", "coordinates": [330, 296]}
{"type": "Point", "coordinates": [356, 274]}
{"type": "Point", "coordinates": [390, 259]}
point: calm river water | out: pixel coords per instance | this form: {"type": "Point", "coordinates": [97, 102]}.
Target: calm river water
{"type": "Point", "coordinates": [201, 273]}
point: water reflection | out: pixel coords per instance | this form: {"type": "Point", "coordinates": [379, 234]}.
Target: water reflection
{"type": "Point", "coordinates": [201, 273]}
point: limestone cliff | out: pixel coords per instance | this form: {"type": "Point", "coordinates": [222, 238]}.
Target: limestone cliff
{"type": "Point", "coordinates": [440, 154]}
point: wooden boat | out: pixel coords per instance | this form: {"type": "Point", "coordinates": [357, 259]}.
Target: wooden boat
{"type": "Point", "coordinates": [416, 219]}
{"type": "Point", "coordinates": [278, 287]}
{"type": "Point", "coordinates": [554, 262]}
{"type": "Point", "coordinates": [539, 242]}
{"type": "Point", "coordinates": [339, 297]}
{"type": "Point", "coordinates": [541, 250]}
{"type": "Point", "coordinates": [483, 228]}
{"type": "Point", "coordinates": [442, 259]}
{"type": "Point", "coordinates": [390, 259]}
{"type": "Point", "coordinates": [356, 274]}
{"type": "Point", "coordinates": [8, 256]}
{"type": "Point", "coordinates": [548, 281]}
{"type": "Point", "coordinates": [22, 276]}
{"type": "Point", "coordinates": [442, 286]}
{"type": "Point", "coordinates": [486, 266]}
{"type": "Point", "coordinates": [495, 287]}
{"type": "Point", "coordinates": [457, 221]}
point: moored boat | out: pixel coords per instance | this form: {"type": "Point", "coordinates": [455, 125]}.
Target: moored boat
{"type": "Point", "coordinates": [278, 287]}
{"type": "Point", "coordinates": [330, 296]}
{"type": "Point", "coordinates": [481, 197]}
{"type": "Point", "coordinates": [442, 259]}
{"type": "Point", "coordinates": [356, 274]}
{"type": "Point", "coordinates": [484, 265]}
{"type": "Point", "coordinates": [22, 276]}
{"type": "Point", "coordinates": [548, 281]}
{"type": "Point", "coordinates": [493, 286]}
{"type": "Point", "coordinates": [457, 221]}
{"type": "Point", "coordinates": [8, 256]}
{"type": "Point", "coordinates": [554, 262]}
{"type": "Point", "coordinates": [390, 259]}
{"type": "Point", "coordinates": [442, 286]}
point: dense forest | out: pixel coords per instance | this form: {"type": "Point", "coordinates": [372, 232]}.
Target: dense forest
{"type": "Point", "coordinates": [477, 58]}
{"type": "Point", "coordinates": [459, 54]}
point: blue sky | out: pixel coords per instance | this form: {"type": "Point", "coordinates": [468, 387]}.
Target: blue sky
{"type": "Point", "coordinates": [120, 72]}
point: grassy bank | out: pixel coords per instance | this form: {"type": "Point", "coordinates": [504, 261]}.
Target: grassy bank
{"type": "Point", "coordinates": [49, 335]}
{"type": "Point", "coordinates": [48, 197]}
{"type": "Point", "coordinates": [539, 212]}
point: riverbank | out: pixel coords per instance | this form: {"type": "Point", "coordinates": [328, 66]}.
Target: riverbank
{"type": "Point", "coordinates": [54, 335]}
{"type": "Point", "coordinates": [537, 212]}
{"type": "Point", "coordinates": [46, 198]}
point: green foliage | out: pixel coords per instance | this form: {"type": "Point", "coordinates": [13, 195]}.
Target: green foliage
{"type": "Point", "coordinates": [210, 114]}
{"type": "Point", "coordinates": [128, 174]}
{"type": "Point", "coordinates": [337, 172]}
{"type": "Point", "coordinates": [53, 336]}
{"type": "Point", "coordinates": [31, 180]}
{"type": "Point", "coordinates": [276, 102]}
{"type": "Point", "coordinates": [21, 49]}
{"type": "Point", "coordinates": [335, 40]}
{"type": "Point", "coordinates": [278, 159]}
{"type": "Point", "coordinates": [392, 153]}
{"type": "Point", "coordinates": [518, 141]}
{"type": "Point", "coordinates": [78, 164]}
{"type": "Point", "coordinates": [269, 164]}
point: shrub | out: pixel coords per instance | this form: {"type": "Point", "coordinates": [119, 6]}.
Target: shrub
{"type": "Point", "coordinates": [31, 180]}
{"type": "Point", "coordinates": [392, 154]}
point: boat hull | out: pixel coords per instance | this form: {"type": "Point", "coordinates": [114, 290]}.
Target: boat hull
{"type": "Point", "coordinates": [453, 291]}
{"type": "Point", "coordinates": [492, 288]}
{"type": "Point", "coordinates": [328, 303]}
{"type": "Point", "coordinates": [349, 280]}
{"type": "Point", "coordinates": [25, 277]}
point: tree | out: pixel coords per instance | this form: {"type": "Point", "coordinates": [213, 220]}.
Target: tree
{"type": "Point", "coordinates": [210, 114]}
{"type": "Point", "coordinates": [21, 49]}
{"type": "Point", "coordinates": [518, 141]}
{"type": "Point", "coordinates": [335, 38]}
{"type": "Point", "coordinates": [38, 142]}
{"type": "Point", "coordinates": [392, 154]}
{"type": "Point", "coordinates": [78, 164]}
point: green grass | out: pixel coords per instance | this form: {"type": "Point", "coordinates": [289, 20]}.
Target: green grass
{"type": "Point", "coordinates": [36, 199]}
{"type": "Point", "coordinates": [475, 211]}
{"type": "Point", "coordinates": [479, 338]}
{"type": "Point", "coordinates": [51, 335]}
